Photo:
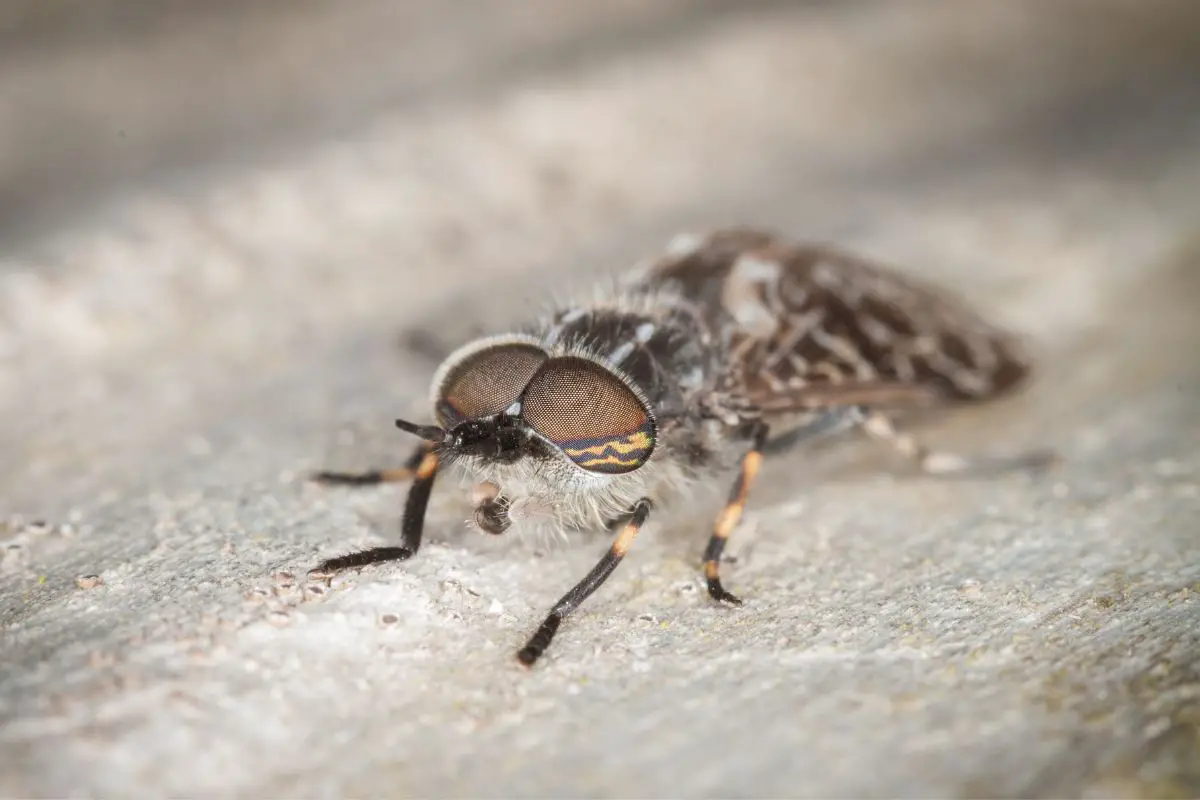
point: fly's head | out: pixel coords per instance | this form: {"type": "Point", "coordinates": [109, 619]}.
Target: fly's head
{"type": "Point", "coordinates": [512, 412]}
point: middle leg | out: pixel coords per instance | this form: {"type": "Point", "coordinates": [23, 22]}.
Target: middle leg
{"type": "Point", "coordinates": [731, 515]}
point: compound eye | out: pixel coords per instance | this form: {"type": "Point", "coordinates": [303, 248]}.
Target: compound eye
{"type": "Point", "coordinates": [486, 382]}
{"type": "Point", "coordinates": [591, 415]}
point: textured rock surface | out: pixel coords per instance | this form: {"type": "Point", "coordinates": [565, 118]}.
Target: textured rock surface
{"type": "Point", "coordinates": [238, 302]}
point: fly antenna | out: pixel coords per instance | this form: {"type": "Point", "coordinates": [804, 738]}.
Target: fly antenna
{"type": "Point", "coordinates": [430, 433]}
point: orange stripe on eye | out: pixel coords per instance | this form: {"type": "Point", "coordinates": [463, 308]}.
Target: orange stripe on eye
{"type": "Point", "coordinates": [624, 446]}
{"type": "Point", "coordinates": [615, 460]}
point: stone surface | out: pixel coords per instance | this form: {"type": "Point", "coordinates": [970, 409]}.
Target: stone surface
{"type": "Point", "coordinates": [216, 320]}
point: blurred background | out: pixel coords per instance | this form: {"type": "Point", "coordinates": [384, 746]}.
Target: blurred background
{"type": "Point", "coordinates": [352, 145]}
{"type": "Point", "coordinates": [188, 190]}
{"type": "Point", "coordinates": [229, 228]}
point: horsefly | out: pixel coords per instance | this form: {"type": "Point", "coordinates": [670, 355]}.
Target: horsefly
{"type": "Point", "coordinates": [687, 369]}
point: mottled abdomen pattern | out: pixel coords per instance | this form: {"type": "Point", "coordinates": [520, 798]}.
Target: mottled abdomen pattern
{"type": "Point", "coordinates": [802, 318]}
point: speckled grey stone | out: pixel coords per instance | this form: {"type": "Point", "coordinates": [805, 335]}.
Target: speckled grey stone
{"type": "Point", "coordinates": [176, 356]}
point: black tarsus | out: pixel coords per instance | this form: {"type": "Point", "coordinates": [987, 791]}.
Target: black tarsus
{"type": "Point", "coordinates": [759, 433]}
{"type": "Point", "coordinates": [411, 528]}
{"type": "Point", "coordinates": [372, 477]}
{"type": "Point", "coordinates": [581, 591]}
{"type": "Point", "coordinates": [363, 558]}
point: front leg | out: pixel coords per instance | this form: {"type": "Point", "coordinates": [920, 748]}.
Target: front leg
{"type": "Point", "coordinates": [491, 509]}
{"type": "Point", "coordinates": [582, 590]}
{"type": "Point", "coordinates": [411, 527]}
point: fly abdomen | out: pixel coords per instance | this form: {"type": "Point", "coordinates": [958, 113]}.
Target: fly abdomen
{"type": "Point", "coordinates": [800, 317]}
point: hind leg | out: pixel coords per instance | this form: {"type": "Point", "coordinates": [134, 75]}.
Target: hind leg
{"type": "Point", "coordinates": [879, 426]}
{"type": "Point", "coordinates": [823, 425]}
